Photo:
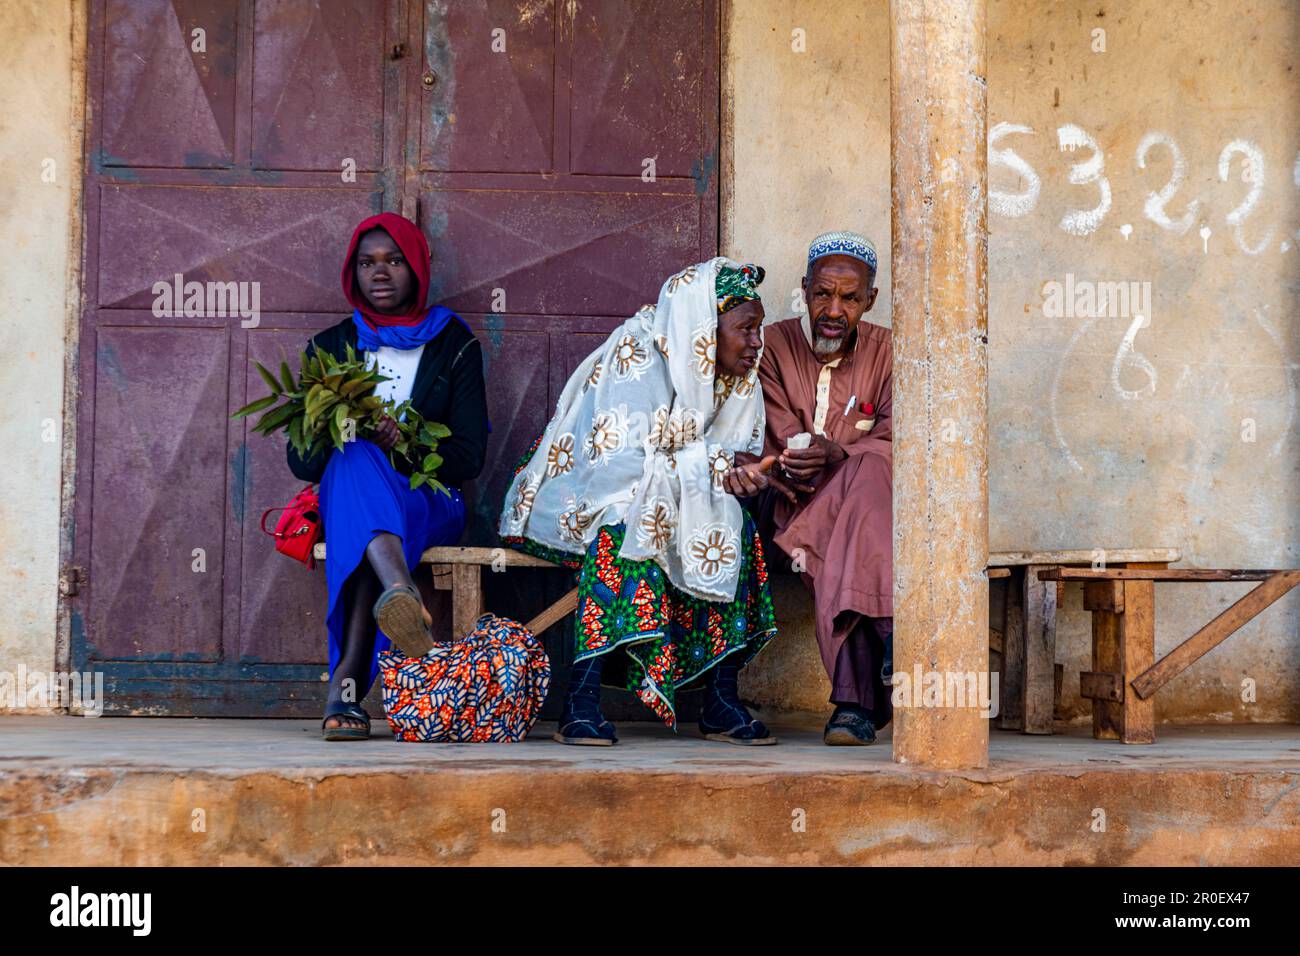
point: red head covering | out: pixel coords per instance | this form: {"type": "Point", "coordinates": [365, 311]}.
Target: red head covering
{"type": "Point", "coordinates": [410, 240]}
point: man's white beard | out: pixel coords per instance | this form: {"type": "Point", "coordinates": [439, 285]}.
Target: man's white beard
{"type": "Point", "coordinates": [825, 347]}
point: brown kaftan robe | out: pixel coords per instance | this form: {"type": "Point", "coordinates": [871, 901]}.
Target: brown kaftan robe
{"type": "Point", "coordinates": [844, 529]}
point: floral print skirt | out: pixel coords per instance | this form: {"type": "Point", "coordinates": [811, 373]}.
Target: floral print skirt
{"type": "Point", "coordinates": [663, 640]}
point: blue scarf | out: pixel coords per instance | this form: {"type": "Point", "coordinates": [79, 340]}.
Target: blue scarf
{"type": "Point", "coordinates": [403, 336]}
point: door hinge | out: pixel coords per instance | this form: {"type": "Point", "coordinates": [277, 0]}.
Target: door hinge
{"type": "Point", "coordinates": [71, 579]}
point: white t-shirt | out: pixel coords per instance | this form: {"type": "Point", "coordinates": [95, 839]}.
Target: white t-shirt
{"type": "Point", "coordinates": [400, 366]}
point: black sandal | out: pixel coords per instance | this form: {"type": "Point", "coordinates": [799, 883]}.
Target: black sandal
{"type": "Point", "coordinates": [341, 732]}
{"type": "Point", "coordinates": [849, 726]}
{"type": "Point", "coordinates": [399, 612]}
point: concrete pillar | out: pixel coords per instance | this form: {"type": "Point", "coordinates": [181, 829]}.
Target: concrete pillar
{"type": "Point", "coordinates": [938, 154]}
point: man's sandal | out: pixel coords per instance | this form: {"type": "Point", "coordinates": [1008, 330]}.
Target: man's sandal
{"type": "Point", "coordinates": [849, 727]}
{"type": "Point", "coordinates": [343, 732]}
{"type": "Point", "coordinates": [399, 612]}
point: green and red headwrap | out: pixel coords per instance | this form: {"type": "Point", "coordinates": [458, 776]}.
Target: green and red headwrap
{"type": "Point", "coordinates": [735, 287]}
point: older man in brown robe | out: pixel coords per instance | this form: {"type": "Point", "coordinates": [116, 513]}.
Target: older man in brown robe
{"type": "Point", "coordinates": [826, 377]}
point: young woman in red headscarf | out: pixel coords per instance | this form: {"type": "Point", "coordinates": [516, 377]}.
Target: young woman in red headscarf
{"type": "Point", "coordinates": [376, 525]}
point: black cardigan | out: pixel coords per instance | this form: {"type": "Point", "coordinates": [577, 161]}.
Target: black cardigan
{"type": "Point", "coordinates": [448, 388]}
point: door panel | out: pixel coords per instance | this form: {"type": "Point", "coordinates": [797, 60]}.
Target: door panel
{"type": "Point", "coordinates": [317, 97]}
{"type": "Point", "coordinates": [285, 240]}
{"type": "Point", "coordinates": [159, 438]}
{"type": "Point", "coordinates": [488, 110]}
{"type": "Point", "coordinates": [165, 102]}
{"type": "Point", "coordinates": [638, 86]}
{"type": "Point", "coordinates": [559, 253]}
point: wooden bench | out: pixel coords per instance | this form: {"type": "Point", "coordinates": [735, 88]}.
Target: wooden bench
{"type": "Point", "coordinates": [460, 571]}
{"type": "Point", "coordinates": [1125, 674]}
{"type": "Point", "coordinates": [1028, 683]}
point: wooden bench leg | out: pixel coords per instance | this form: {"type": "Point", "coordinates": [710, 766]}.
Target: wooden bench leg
{"type": "Point", "coordinates": [1123, 645]}
{"type": "Point", "coordinates": [1011, 682]}
{"type": "Point", "coordinates": [1137, 653]}
{"type": "Point", "coordinates": [1039, 687]}
{"type": "Point", "coordinates": [466, 598]}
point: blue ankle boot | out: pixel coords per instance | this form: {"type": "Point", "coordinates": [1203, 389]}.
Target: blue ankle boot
{"type": "Point", "coordinates": [582, 723]}
{"type": "Point", "coordinates": [724, 717]}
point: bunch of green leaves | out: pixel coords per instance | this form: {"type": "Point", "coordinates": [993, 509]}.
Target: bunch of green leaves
{"type": "Point", "coordinates": [333, 401]}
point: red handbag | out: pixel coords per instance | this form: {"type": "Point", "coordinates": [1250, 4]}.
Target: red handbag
{"type": "Point", "coordinates": [298, 529]}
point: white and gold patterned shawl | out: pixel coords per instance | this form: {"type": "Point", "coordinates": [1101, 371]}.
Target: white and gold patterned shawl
{"type": "Point", "coordinates": [642, 434]}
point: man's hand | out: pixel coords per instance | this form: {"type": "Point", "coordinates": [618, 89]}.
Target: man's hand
{"type": "Point", "coordinates": [386, 434]}
{"type": "Point", "coordinates": [804, 464]}
{"type": "Point", "coordinates": [750, 478]}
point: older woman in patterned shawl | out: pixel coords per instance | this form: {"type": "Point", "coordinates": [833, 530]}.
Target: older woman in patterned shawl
{"type": "Point", "coordinates": [634, 483]}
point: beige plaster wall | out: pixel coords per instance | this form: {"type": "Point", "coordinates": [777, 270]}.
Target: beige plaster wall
{"type": "Point", "coordinates": [40, 150]}
{"type": "Point", "coordinates": [1181, 432]}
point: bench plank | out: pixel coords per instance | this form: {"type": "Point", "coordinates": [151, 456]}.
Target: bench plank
{"type": "Point", "coordinates": [508, 557]}
{"type": "Point", "coordinates": [480, 556]}
{"type": "Point", "coordinates": [1085, 556]}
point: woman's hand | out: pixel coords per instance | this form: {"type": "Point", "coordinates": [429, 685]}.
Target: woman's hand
{"type": "Point", "coordinates": [386, 434]}
{"type": "Point", "coordinates": [749, 479]}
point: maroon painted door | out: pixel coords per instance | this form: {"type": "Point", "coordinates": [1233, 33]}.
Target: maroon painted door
{"type": "Point", "coordinates": [562, 162]}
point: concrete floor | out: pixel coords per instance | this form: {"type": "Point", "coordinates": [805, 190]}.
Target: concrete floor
{"type": "Point", "coordinates": [210, 792]}
{"type": "Point", "coordinates": [285, 745]}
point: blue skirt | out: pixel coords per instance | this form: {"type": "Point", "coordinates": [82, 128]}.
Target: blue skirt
{"type": "Point", "coordinates": [361, 495]}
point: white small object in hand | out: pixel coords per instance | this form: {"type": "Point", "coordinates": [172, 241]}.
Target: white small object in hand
{"type": "Point", "coordinates": [801, 440]}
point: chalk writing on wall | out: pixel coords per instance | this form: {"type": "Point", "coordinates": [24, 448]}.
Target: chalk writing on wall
{"type": "Point", "coordinates": [1163, 166]}
{"type": "Point", "coordinates": [1240, 155]}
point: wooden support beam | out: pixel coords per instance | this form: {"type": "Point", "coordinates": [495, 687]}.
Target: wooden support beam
{"type": "Point", "coordinates": [1103, 596]}
{"type": "Point", "coordinates": [1094, 686]}
{"type": "Point", "coordinates": [1214, 633]}
{"type": "Point", "coordinates": [555, 613]}
{"type": "Point", "coordinates": [1107, 712]}
{"type": "Point", "coordinates": [1040, 652]}
{"type": "Point", "coordinates": [1137, 652]}
{"type": "Point", "coordinates": [1011, 683]}
{"type": "Point", "coordinates": [939, 284]}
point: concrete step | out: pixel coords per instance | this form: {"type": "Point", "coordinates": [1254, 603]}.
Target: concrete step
{"type": "Point", "coordinates": [111, 791]}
